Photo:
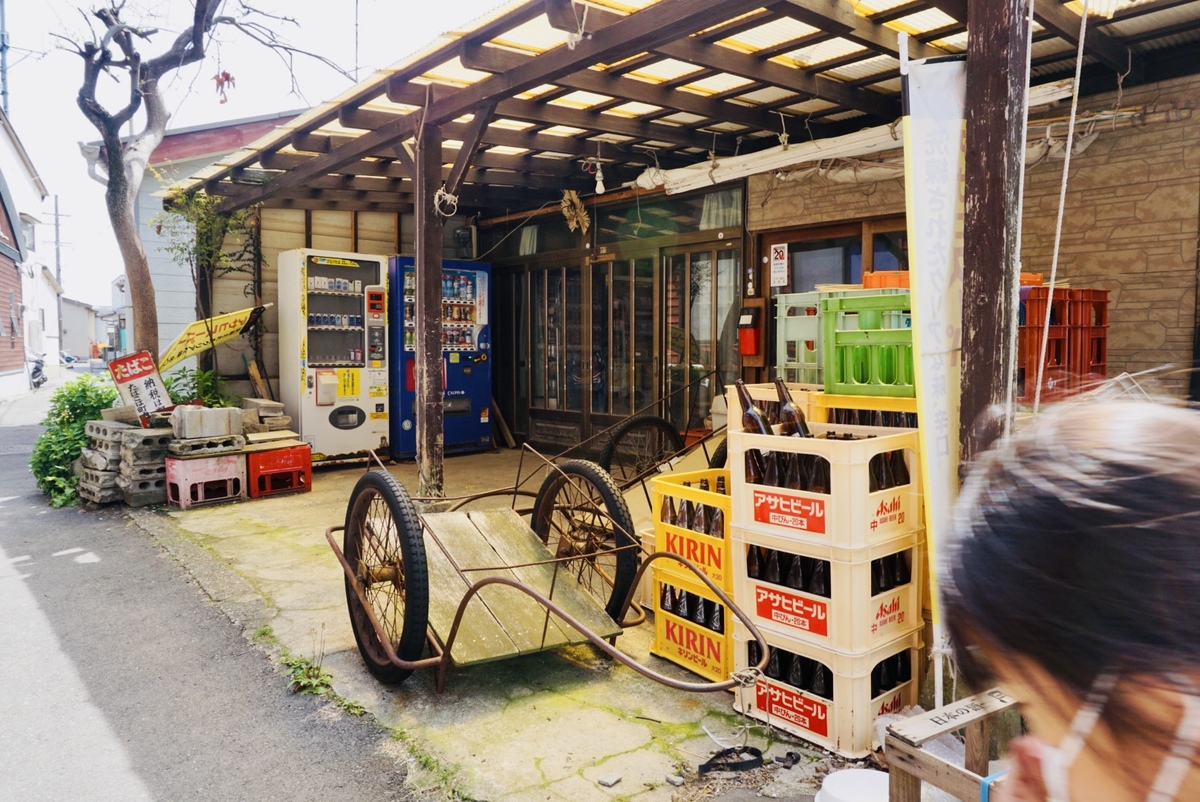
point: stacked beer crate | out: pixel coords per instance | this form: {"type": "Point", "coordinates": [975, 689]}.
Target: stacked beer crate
{"type": "Point", "coordinates": [826, 546]}
{"type": "Point", "coordinates": [1076, 340]}
{"type": "Point", "coordinates": [691, 625]}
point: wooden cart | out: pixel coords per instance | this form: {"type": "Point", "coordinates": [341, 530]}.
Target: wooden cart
{"type": "Point", "coordinates": [483, 585]}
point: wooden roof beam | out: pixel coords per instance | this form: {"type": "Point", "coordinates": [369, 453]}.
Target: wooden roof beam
{"type": "Point", "coordinates": [836, 16]}
{"type": "Point", "coordinates": [494, 59]}
{"type": "Point", "coordinates": [644, 30]}
{"type": "Point", "coordinates": [952, 8]}
{"type": "Point", "coordinates": [1109, 51]}
{"type": "Point", "coordinates": [533, 111]}
{"type": "Point", "coordinates": [695, 51]}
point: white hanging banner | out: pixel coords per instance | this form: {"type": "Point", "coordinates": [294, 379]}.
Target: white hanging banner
{"type": "Point", "coordinates": [934, 157]}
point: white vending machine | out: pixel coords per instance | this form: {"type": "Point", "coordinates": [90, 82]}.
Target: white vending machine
{"type": "Point", "coordinates": [333, 352]}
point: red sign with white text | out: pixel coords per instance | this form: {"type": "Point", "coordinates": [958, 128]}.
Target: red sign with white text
{"type": "Point", "coordinates": [139, 384]}
{"type": "Point", "coordinates": [781, 607]}
{"type": "Point", "coordinates": [792, 707]}
{"type": "Point", "coordinates": [793, 512]}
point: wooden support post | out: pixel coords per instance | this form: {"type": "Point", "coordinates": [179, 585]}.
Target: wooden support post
{"type": "Point", "coordinates": [430, 390]}
{"type": "Point", "coordinates": [997, 73]}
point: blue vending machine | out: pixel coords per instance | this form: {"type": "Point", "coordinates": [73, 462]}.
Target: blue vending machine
{"type": "Point", "coordinates": [466, 356]}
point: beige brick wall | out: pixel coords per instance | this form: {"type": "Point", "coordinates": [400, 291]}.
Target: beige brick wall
{"type": "Point", "coordinates": [1130, 225]}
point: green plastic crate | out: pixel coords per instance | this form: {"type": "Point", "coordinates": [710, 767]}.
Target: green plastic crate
{"type": "Point", "coordinates": [867, 343]}
{"type": "Point", "coordinates": [798, 354]}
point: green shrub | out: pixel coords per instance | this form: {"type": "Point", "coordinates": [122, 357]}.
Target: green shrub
{"type": "Point", "coordinates": [187, 385]}
{"type": "Point", "coordinates": [71, 407]}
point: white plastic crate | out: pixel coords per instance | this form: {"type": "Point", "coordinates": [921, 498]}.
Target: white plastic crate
{"type": "Point", "coordinates": [850, 516]}
{"type": "Point", "coordinates": [841, 724]}
{"type": "Point", "coordinates": [851, 619]}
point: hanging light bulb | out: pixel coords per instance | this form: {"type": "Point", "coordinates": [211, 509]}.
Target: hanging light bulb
{"type": "Point", "coordinates": [599, 178]}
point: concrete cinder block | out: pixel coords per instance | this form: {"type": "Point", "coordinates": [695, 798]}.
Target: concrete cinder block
{"type": "Point", "coordinates": [191, 423]}
{"type": "Point", "coordinates": [147, 438]}
{"type": "Point", "coordinates": [106, 430]}
{"type": "Point", "coordinates": [278, 423]}
{"type": "Point", "coordinates": [101, 480]}
{"type": "Point", "coordinates": [96, 495]}
{"type": "Point", "coordinates": [266, 408]}
{"type": "Point", "coordinates": [148, 498]}
{"type": "Point", "coordinates": [121, 415]}
{"type": "Point", "coordinates": [142, 472]}
{"type": "Point", "coordinates": [100, 460]}
{"type": "Point", "coordinates": [207, 445]}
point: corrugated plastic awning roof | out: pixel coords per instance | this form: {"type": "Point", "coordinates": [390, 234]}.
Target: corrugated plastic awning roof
{"type": "Point", "coordinates": [638, 82]}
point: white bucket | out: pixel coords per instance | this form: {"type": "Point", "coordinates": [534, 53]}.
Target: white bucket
{"type": "Point", "coordinates": [854, 785]}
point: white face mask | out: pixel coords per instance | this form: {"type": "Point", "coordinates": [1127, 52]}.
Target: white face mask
{"type": "Point", "coordinates": [1057, 760]}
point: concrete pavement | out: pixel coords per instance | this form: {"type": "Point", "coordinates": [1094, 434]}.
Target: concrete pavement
{"type": "Point", "coordinates": [541, 727]}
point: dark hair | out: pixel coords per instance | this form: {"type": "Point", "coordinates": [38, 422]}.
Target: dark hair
{"type": "Point", "coordinates": [1077, 545]}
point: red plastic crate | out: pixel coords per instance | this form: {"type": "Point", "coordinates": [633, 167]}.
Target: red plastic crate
{"type": "Point", "coordinates": [1057, 376]}
{"type": "Point", "coordinates": [205, 480]}
{"type": "Point", "coordinates": [1035, 306]}
{"type": "Point", "coordinates": [1087, 307]}
{"type": "Point", "coordinates": [1088, 352]}
{"type": "Point", "coordinates": [280, 470]}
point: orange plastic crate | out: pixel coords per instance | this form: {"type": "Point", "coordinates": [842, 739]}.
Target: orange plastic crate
{"type": "Point", "coordinates": [281, 470]}
{"type": "Point", "coordinates": [1088, 307]}
{"type": "Point", "coordinates": [885, 279]}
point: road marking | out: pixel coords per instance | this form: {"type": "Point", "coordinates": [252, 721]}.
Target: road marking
{"type": "Point", "coordinates": [20, 559]}
{"type": "Point", "coordinates": [47, 703]}
{"type": "Point", "coordinates": [7, 498]}
{"type": "Point", "coordinates": [65, 552]}
{"type": "Point", "coordinates": [90, 557]}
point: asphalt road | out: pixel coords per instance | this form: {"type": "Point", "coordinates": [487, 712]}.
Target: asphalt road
{"type": "Point", "coordinates": [122, 681]}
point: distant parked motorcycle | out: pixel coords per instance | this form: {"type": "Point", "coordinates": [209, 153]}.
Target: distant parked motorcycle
{"type": "Point", "coordinates": [37, 369]}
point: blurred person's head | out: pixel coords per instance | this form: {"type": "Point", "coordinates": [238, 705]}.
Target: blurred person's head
{"type": "Point", "coordinates": [1073, 580]}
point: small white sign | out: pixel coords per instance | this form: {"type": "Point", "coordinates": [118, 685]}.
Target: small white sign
{"type": "Point", "coordinates": [779, 265]}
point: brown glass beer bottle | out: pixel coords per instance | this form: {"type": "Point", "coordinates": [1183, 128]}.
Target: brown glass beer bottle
{"type": "Point", "coordinates": [791, 419]}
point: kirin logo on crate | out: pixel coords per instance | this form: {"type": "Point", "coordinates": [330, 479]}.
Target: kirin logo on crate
{"type": "Point", "coordinates": [776, 604]}
{"type": "Point", "coordinates": [793, 512]}
{"type": "Point", "coordinates": [695, 646]}
{"type": "Point", "coordinates": [708, 554]}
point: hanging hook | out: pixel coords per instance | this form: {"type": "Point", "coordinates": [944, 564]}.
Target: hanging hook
{"type": "Point", "coordinates": [783, 134]}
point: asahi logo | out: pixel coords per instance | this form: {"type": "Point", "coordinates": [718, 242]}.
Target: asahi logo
{"type": "Point", "coordinates": [692, 641]}
{"type": "Point", "coordinates": [888, 507]}
{"type": "Point", "coordinates": [691, 549]}
{"type": "Point", "coordinates": [889, 608]}
{"type": "Point", "coordinates": [893, 705]}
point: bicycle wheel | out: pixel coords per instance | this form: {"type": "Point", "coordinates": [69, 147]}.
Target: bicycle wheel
{"type": "Point", "coordinates": [384, 545]}
{"type": "Point", "coordinates": [719, 456]}
{"type": "Point", "coordinates": [580, 513]}
{"type": "Point", "coordinates": [639, 445]}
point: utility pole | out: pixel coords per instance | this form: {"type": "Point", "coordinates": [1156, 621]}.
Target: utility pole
{"type": "Point", "coordinates": [3, 61]}
{"type": "Point", "coordinates": [997, 75]}
{"type": "Point", "coordinates": [58, 265]}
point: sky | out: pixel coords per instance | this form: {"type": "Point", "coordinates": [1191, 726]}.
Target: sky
{"type": "Point", "coordinates": [44, 78]}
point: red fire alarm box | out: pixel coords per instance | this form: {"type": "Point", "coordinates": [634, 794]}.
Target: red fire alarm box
{"type": "Point", "coordinates": [749, 332]}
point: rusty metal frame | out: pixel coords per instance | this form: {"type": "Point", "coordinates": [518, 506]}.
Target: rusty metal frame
{"type": "Point", "coordinates": [441, 661]}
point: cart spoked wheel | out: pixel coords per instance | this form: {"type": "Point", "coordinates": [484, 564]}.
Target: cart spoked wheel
{"type": "Point", "coordinates": [384, 545]}
{"type": "Point", "coordinates": [639, 445]}
{"type": "Point", "coordinates": [580, 513]}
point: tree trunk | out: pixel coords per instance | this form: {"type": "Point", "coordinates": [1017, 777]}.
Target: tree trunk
{"type": "Point", "coordinates": [120, 202]}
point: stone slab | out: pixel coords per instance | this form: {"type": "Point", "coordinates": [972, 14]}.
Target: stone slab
{"type": "Point", "coordinates": [191, 423]}
{"type": "Point", "coordinates": [204, 446]}
{"type": "Point", "coordinates": [278, 423]}
{"type": "Point", "coordinates": [249, 417]}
